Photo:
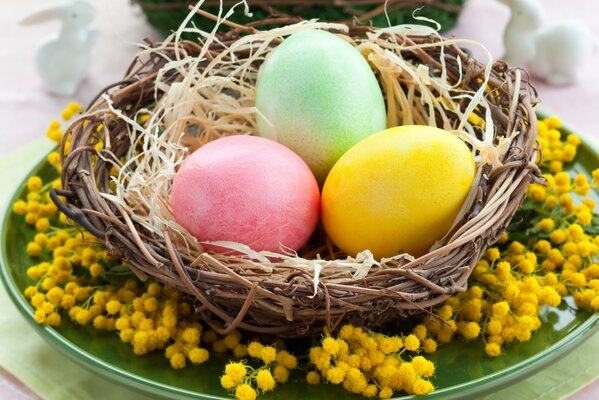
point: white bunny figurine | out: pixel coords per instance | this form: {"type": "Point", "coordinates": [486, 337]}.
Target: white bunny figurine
{"type": "Point", "coordinates": [62, 61]}
{"type": "Point", "coordinates": [553, 51]}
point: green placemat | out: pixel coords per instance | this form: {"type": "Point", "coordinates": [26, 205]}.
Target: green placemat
{"type": "Point", "coordinates": [23, 352]}
{"type": "Point", "coordinates": [52, 375]}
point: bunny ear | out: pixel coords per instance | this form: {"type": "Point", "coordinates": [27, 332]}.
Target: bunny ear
{"type": "Point", "coordinates": [44, 15]}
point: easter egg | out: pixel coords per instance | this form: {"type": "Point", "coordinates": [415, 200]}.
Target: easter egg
{"type": "Point", "coordinates": [397, 191]}
{"type": "Point", "coordinates": [317, 95]}
{"type": "Point", "coordinates": [249, 190]}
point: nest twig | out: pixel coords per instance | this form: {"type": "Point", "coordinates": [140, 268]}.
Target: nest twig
{"type": "Point", "coordinates": [178, 95]}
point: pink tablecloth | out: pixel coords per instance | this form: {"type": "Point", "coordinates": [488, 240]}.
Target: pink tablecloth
{"type": "Point", "coordinates": [25, 109]}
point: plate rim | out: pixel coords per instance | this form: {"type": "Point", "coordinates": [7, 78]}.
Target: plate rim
{"type": "Point", "coordinates": [130, 380]}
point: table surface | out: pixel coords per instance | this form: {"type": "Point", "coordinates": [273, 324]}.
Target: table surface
{"type": "Point", "coordinates": [25, 109]}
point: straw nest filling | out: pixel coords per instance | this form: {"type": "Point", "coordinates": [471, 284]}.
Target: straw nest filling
{"type": "Point", "coordinates": [121, 155]}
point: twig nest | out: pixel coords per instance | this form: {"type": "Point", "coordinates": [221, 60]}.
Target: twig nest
{"type": "Point", "coordinates": [180, 95]}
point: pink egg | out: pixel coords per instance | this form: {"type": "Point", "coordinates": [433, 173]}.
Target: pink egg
{"type": "Point", "coordinates": [247, 189]}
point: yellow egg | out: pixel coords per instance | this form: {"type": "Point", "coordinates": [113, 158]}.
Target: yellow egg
{"type": "Point", "coordinates": [397, 191]}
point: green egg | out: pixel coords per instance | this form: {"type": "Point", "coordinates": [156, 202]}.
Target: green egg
{"type": "Point", "coordinates": [317, 95]}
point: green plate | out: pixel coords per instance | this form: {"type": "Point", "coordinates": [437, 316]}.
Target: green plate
{"type": "Point", "coordinates": [462, 368]}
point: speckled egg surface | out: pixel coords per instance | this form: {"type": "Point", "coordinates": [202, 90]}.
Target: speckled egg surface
{"type": "Point", "coordinates": [397, 191]}
{"type": "Point", "coordinates": [249, 190]}
{"type": "Point", "coordinates": [317, 95]}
